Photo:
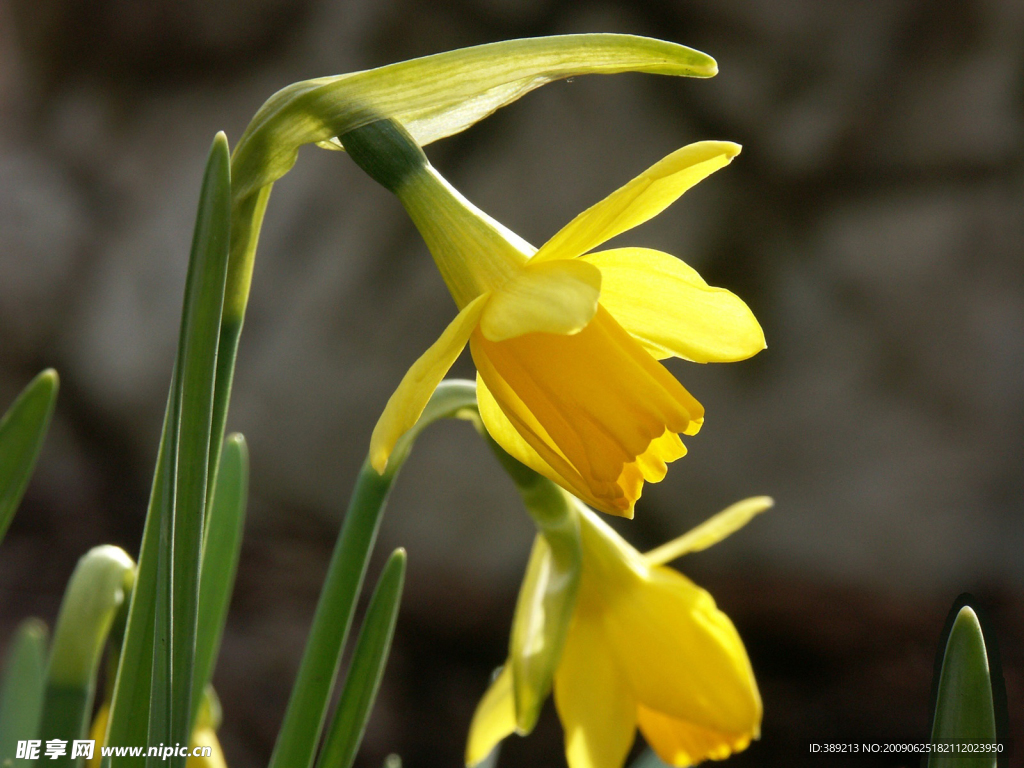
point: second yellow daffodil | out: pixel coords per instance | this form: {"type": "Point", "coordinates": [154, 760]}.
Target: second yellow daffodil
{"type": "Point", "coordinates": [646, 648]}
{"type": "Point", "coordinates": [566, 340]}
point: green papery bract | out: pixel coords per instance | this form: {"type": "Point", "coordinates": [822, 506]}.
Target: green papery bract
{"type": "Point", "coordinates": [440, 95]}
{"type": "Point", "coordinates": [432, 97]}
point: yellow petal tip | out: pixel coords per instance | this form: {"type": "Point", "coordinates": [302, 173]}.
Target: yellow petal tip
{"type": "Point", "coordinates": [379, 460]}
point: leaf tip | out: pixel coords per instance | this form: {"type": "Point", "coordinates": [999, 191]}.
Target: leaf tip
{"type": "Point", "coordinates": [50, 376]}
{"type": "Point", "coordinates": [396, 563]}
{"type": "Point", "coordinates": [220, 141]}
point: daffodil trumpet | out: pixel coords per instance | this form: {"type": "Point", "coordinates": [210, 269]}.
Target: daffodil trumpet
{"type": "Point", "coordinates": [566, 340]}
{"type": "Point", "coordinates": [646, 649]}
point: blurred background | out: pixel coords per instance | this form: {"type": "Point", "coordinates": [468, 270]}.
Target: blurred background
{"type": "Point", "coordinates": [873, 222]}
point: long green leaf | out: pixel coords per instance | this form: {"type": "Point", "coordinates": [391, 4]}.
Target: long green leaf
{"type": "Point", "coordinates": [223, 535]}
{"type": "Point", "coordinates": [181, 541]}
{"type": "Point", "coordinates": [300, 732]}
{"type": "Point", "coordinates": [94, 593]}
{"type": "Point", "coordinates": [367, 669]}
{"type": "Point", "coordinates": [152, 696]}
{"type": "Point", "coordinates": [964, 710]}
{"type": "Point", "coordinates": [128, 723]}
{"type": "Point", "coordinates": [22, 430]}
{"type": "Point", "coordinates": [307, 707]}
{"type": "Point", "coordinates": [22, 688]}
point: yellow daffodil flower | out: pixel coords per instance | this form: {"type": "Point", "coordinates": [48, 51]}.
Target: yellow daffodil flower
{"type": "Point", "coordinates": [646, 648]}
{"type": "Point", "coordinates": [566, 339]}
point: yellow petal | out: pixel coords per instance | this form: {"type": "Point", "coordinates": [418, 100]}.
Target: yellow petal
{"type": "Point", "coordinates": [98, 733]}
{"type": "Point", "coordinates": [671, 311]}
{"type": "Point", "coordinates": [494, 719]}
{"type": "Point", "coordinates": [407, 403]}
{"type": "Point", "coordinates": [593, 699]}
{"type": "Point", "coordinates": [595, 401]}
{"type": "Point", "coordinates": [641, 199]}
{"type": "Point", "coordinates": [557, 297]}
{"type": "Point", "coordinates": [682, 656]}
{"type": "Point", "coordinates": [712, 530]}
{"type": "Point", "coordinates": [206, 737]}
{"type": "Point", "coordinates": [680, 743]}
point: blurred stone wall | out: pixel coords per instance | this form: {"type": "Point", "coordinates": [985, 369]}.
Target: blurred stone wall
{"type": "Point", "coordinates": [873, 222]}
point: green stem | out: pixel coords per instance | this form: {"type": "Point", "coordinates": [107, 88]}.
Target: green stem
{"type": "Point", "coordinates": [307, 707]}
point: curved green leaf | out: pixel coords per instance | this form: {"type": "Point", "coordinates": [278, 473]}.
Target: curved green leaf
{"type": "Point", "coordinates": [152, 696]}
{"type": "Point", "coordinates": [22, 430]}
{"type": "Point", "coordinates": [367, 669]}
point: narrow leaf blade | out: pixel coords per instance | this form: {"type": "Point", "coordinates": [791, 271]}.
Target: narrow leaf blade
{"type": "Point", "coordinates": [128, 722]}
{"type": "Point", "coordinates": [307, 706]}
{"type": "Point", "coordinates": [22, 430]}
{"type": "Point", "coordinates": [150, 703]}
{"type": "Point", "coordinates": [223, 534]}
{"type": "Point", "coordinates": [22, 687]}
{"type": "Point", "coordinates": [197, 366]}
{"type": "Point", "coordinates": [368, 661]}
{"type": "Point", "coordinates": [964, 709]}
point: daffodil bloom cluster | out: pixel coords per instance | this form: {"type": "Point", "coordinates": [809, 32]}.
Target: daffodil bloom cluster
{"type": "Point", "coordinates": [566, 339]}
{"type": "Point", "coordinates": [646, 648]}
